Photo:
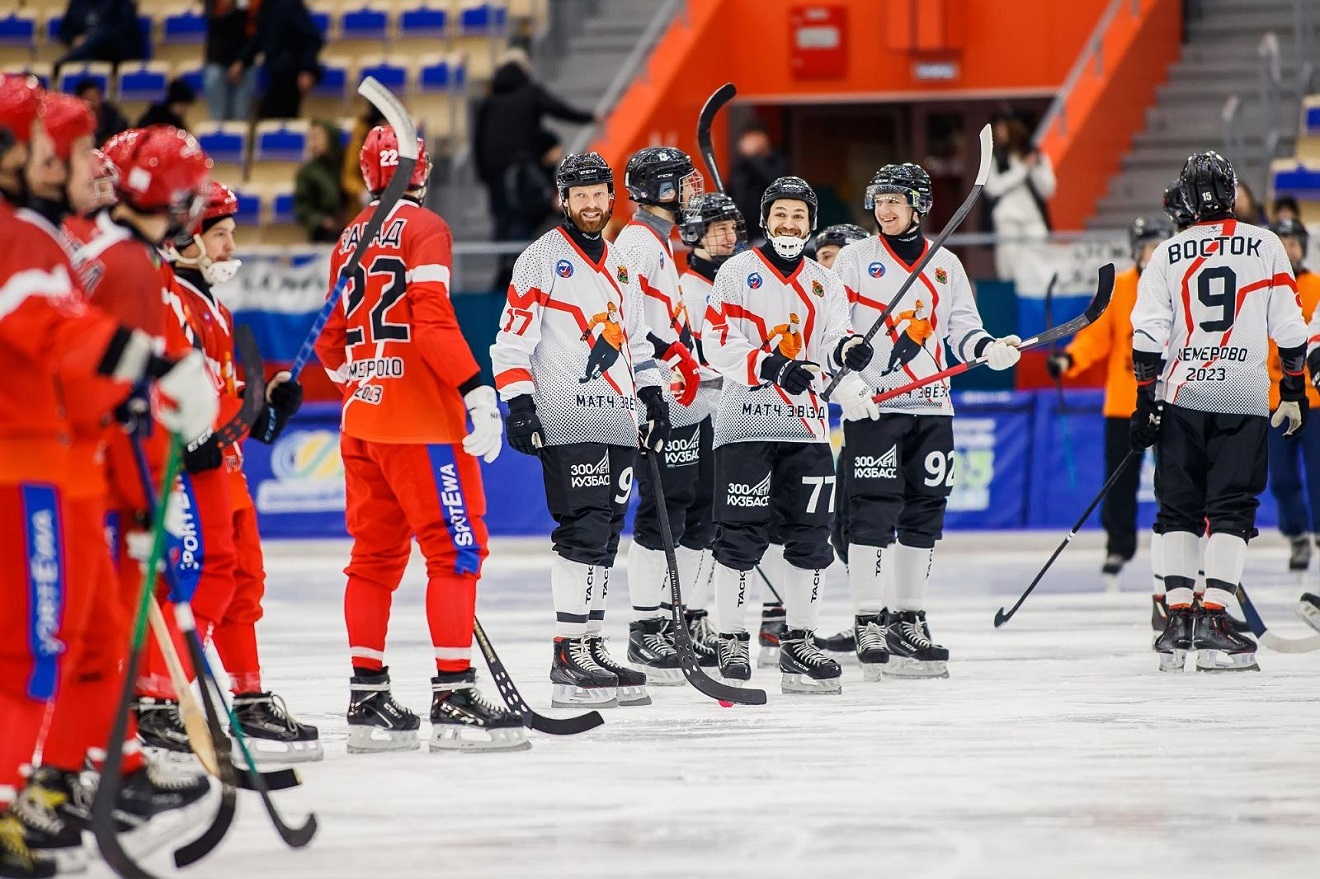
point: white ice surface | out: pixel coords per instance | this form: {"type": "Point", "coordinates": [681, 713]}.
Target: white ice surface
{"type": "Point", "coordinates": [1054, 750]}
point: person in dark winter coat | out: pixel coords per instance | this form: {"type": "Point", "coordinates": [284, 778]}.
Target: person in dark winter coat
{"type": "Point", "coordinates": [756, 166]}
{"type": "Point", "coordinates": [171, 110]}
{"type": "Point", "coordinates": [229, 84]}
{"type": "Point", "coordinates": [109, 121]}
{"type": "Point", "coordinates": [101, 30]}
{"type": "Point", "coordinates": [287, 38]}
{"type": "Point", "coordinates": [318, 200]}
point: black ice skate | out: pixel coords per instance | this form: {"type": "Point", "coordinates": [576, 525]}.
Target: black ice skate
{"type": "Point", "coordinates": [1308, 608]}
{"type": "Point", "coordinates": [912, 653]}
{"type": "Point", "coordinates": [578, 680]}
{"type": "Point", "coordinates": [462, 720]}
{"type": "Point", "coordinates": [54, 811]}
{"type": "Point", "coordinates": [161, 730]}
{"type": "Point", "coordinates": [1172, 645]}
{"type": "Point", "coordinates": [632, 683]}
{"type": "Point", "coordinates": [772, 630]}
{"type": "Point", "coordinates": [735, 659]}
{"type": "Point", "coordinates": [157, 805]}
{"type": "Point", "coordinates": [16, 857]}
{"type": "Point", "coordinates": [840, 642]}
{"type": "Point", "coordinates": [870, 645]}
{"type": "Point", "coordinates": [704, 638]}
{"type": "Point", "coordinates": [1299, 555]}
{"type": "Point", "coordinates": [375, 721]}
{"type": "Point", "coordinates": [651, 649]}
{"type": "Point", "coordinates": [1217, 646]}
{"type": "Point", "coordinates": [804, 668]}
{"type": "Point", "coordinates": [1109, 571]}
{"type": "Point", "coordinates": [273, 734]}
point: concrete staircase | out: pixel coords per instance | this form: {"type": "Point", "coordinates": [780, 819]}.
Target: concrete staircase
{"type": "Point", "coordinates": [1219, 59]}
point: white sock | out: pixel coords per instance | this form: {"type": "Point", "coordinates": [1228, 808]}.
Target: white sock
{"type": "Point", "coordinates": [1157, 562]}
{"type": "Point", "coordinates": [1182, 559]}
{"type": "Point", "coordinates": [775, 569]}
{"type": "Point", "coordinates": [1225, 556]}
{"type": "Point", "coordinates": [694, 572]}
{"type": "Point", "coordinates": [730, 599]}
{"type": "Point", "coordinates": [1200, 568]}
{"type": "Point", "coordinates": [569, 583]}
{"type": "Point", "coordinates": [599, 590]}
{"type": "Point", "coordinates": [907, 585]}
{"type": "Point", "coordinates": [648, 582]}
{"type": "Point", "coordinates": [866, 578]}
{"type": "Point", "coordinates": [801, 591]}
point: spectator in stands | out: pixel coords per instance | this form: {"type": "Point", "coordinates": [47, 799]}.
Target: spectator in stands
{"type": "Point", "coordinates": [287, 39]}
{"type": "Point", "coordinates": [1021, 181]}
{"type": "Point", "coordinates": [756, 165]}
{"type": "Point", "coordinates": [101, 30]}
{"type": "Point", "coordinates": [1286, 208]}
{"type": "Point", "coordinates": [230, 84]}
{"type": "Point", "coordinates": [172, 110]}
{"type": "Point", "coordinates": [318, 200]}
{"type": "Point", "coordinates": [1246, 208]}
{"type": "Point", "coordinates": [350, 178]}
{"type": "Point", "coordinates": [109, 121]}
{"type": "Point", "coordinates": [515, 154]}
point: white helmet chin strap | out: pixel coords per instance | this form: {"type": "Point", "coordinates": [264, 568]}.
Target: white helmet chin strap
{"type": "Point", "coordinates": [213, 272]}
{"type": "Point", "coordinates": [788, 246]}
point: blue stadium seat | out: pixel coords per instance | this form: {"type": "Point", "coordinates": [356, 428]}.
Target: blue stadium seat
{"type": "Point", "coordinates": [393, 76]}
{"type": "Point", "coordinates": [1311, 122]}
{"type": "Point", "coordinates": [423, 21]}
{"type": "Point", "coordinates": [322, 21]}
{"type": "Point", "coordinates": [437, 76]}
{"type": "Point", "coordinates": [481, 19]}
{"type": "Point", "coordinates": [18, 29]}
{"type": "Point", "coordinates": [1298, 180]}
{"type": "Point", "coordinates": [142, 82]}
{"type": "Point", "coordinates": [365, 23]}
{"type": "Point", "coordinates": [249, 208]}
{"type": "Point", "coordinates": [195, 77]}
{"type": "Point", "coordinates": [280, 142]}
{"type": "Point", "coordinates": [72, 74]}
{"type": "Point", "coordinates": [281, 209]}
{"type": "Point", "coordinates": [225, 143]}
{"type": "Point", "coordinates": [188, 26]}
{"type": "Point", "coordinates": [334, 80]}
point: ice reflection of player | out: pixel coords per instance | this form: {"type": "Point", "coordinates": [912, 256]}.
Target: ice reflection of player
{"type": "Point", "coordinates": [606, 348]}
{"type": "Point", "coordinates": [910, 344]}
{"type": "Point", "coordinates": [790, 337]}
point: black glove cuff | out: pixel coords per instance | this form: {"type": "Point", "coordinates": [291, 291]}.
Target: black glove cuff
{"type": "Point", "coordinates": [1292, 387]}
{"type": "Point", "coordinates": [523, 403]}
{"type": "Point", "coordinates": [772, 366]}
{"type": "Point", "coordinates": [1147, 367]}
{"type": "Point", "coordinates": [654, 401]}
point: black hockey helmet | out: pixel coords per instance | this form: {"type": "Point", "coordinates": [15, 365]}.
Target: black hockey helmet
{"type": "Point", "coordinates": [908, 180]}
{"type": "Point", "coordinates": [1208, 183]}
{"type": "Point", "coordinates": [707, 208]}
{"type": "Point", "coordinates": [655, 176]}
{"type": "Point", "coordinates": [840, 234]}
{"type": "Point", "coordinates": [582, 169]}
{"type": "Point", "coordinates": [1291, 228]}
{"type": "Point", "coordinates": [1143, 229]}
{"type": "Point", "coordinates": [794, 188]}
{"type": "Point", "coordinates": [1176, 207]}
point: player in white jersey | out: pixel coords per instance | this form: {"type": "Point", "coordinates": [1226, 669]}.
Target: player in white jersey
{"type": "Point", "coordinates": [774, 320]}
{"type": "Point", "coordinates": [660, 180]}
{"type": "Point", "coordinates": [1211, 298]}
{"type": "Point", "coordinates": [573, 393]}
{"type": "Point", "coordinates": [896, 473]}
{"type": "Point", "coordinates": [714, 228]}
{"type": "Point", "coordinates": [832, 239]}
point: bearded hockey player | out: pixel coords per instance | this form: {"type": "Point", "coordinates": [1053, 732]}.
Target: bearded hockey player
{"type": "Point", "coordinates": [775, 321]}
{"type": "Point", "coordinates": [1208, 303]}
{"type": "Point", "coordinates": [661, 180]}
{"type": "Point", "coordinates": [411, 464]}
{"type": "Point", "coordinates": [896, 472]}
{"type": "Point", "coordinates": [832, 239]}
{"type": "Point", "coordinates": [586, 434]}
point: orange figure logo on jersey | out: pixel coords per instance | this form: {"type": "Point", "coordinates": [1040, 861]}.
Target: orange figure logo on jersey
{"type": "Point", "coordinates": [605, 350]}
{"type": "Point", "coordinates": [913, 340]}
{"type": "Point", "coordinates": [790, 337]}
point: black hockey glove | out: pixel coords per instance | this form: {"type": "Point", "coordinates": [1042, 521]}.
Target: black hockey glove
{"type": "Point", "coordinates": [523, 426]}
{"type": "Point", "coordinates": [1145, 424]}
{"type": "Point", "coordinates": [794, 376]}
{"type": "Point", "coordinates": [1058, 363]}
{"type": "Point", "coordinates": [654, 432]}
{"type": "Point", "coordinates": [285, 394]}
{"type": "Point", "coordinates": [134, 414]}
{"type": "Point", "coordinates": [203, 454]}
{"type": "Point", "coordinates": [853, 352]}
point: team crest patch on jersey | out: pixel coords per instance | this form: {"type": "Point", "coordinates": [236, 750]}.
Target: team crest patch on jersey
{"type": "Point", "coordinates": [817, 289]}
{"type": "Point", "coordinates": [623, 274]}
{"type": "Point", "coordinates": [876, 270]}
{"type": "Point", "coordinates": [564, 269]}
{"type": "Point", "coordinates": [941, 276]}
{"type": "Point", "coordinates": [754, 281]}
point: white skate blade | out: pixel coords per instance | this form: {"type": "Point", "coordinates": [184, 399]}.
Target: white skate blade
{"type": "Point", "coordinates": [569, 696]}
{"type": "Point", "coordinates": [1217, 660]}
{"type": "Point", "coordinates": [807, 685]}
{"type": "Point", "coordinates": [659, 677]}
{"type": "Point", "coordinates": [364, 739]}
{"type": "Point", "coordinates": [872, 671]}
{"type": "Point", "coordinates": [1309, 613]}
{"type": "Point", "coordinates": [169, 827]}
{"type": "Point", "coordinates": [768, 658]}
{"type": "Point", "coordinates": [185, 761]}
{"type": "Point", "coordinates": [1111, 582]}
{"type": "Point", "coordinates": [461, 737]}
{"type": "Point", "coordinates": [1172, 661]}
{"type": "Point", "coordinates": [71, 859]}
{"type": "Point", "coordinates": [902, 667]}
{"type": "Point", "coordinates": [268, 751]}
{"type": "Point", "coordinates": [630, 697]}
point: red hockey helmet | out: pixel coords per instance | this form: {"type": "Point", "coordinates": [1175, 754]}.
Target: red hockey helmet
{"type": "Point", "coordinates": [67, 119]}
{"type": "Point", "coordinates": [20, 106]}
{"type": "Point", "coordinates": [161, 168]}
{"type": "Point", "coordinates": [221, 202]}
{"type": "Point", "coordinates": [380, 156]}
{"type": "Point", "coordinates": [105, 180]}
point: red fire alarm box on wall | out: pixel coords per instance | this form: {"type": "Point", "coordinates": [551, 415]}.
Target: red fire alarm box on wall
{"type": "Point", "coordinates": [818, 37]}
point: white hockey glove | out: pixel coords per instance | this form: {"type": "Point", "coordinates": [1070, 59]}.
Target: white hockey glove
{"type": "Point", "coordinates": [854, 395]}
{"type": "Point", "coordinates": [1003, 353]}
{"type": "Point", "coordinates": [1289, 411]}
{"type": "Point", "coordinates": [487, 436]}
{"type": "Point", "coordinates": [188, 404]}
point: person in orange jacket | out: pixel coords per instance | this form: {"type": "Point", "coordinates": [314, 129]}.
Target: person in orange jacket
{"type": "Point", "coordinates": [1298, 500]}
{"type": "Point", "coordinates": [1109, 338]}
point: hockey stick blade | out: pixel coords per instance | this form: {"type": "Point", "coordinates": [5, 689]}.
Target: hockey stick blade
{"type": "Point", "coordinates": [1002, 616]}
{"type": "Point", "coordinates": [1308, 608]}
{"type": "Point", "coordinates": [397, 117]}
{"type": "Point", "coordinates": [705, 120]}
{"type": "Point", "coordinates": [687, 656]}
{"type": "Point", "coordinates": [554, 726]}
{"type": "Point", "coordinates": [1277, 643]}
{"type": "Point", "coordinates": [1099, 302]}
{"type": "Point", "coordinates": [982, 174]}
{"type": "Point", "coordinates": [254, 388]}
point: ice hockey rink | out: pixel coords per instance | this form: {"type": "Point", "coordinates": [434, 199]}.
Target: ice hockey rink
{"type": "Point", "coordinates": [1055, 749]}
